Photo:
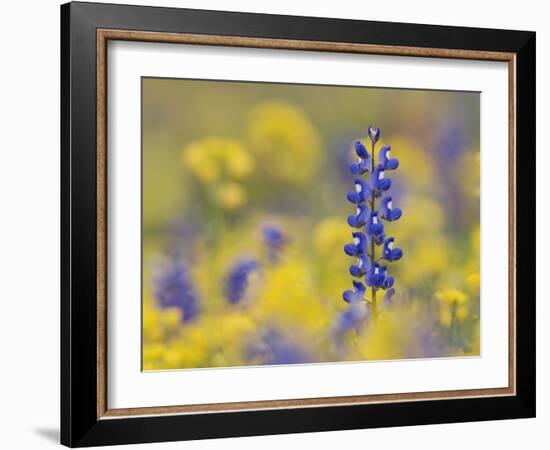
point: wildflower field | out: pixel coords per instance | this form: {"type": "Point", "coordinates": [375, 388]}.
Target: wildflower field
{"type": "Point", "coordinates": [293, 224]}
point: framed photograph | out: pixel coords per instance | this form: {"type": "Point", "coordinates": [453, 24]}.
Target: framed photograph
{"type": "Point", "coordinates": [276, 224]}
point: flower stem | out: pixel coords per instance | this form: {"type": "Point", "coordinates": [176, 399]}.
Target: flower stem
{"type": "Point", "coordinates": [372, 244]}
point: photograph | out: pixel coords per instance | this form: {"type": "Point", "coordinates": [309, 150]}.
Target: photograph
{"type": "Point", "coordinates": [300, 224]}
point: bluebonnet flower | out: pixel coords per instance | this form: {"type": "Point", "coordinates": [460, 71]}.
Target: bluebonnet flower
{"type": "Point", "coordinates": [374, 227]}
{"type": "Point", "coordinates": [374, 134]}
{"type": "Point", "coordinates": [390, 253]}
{"type": "Point", "coordinates": [357, 295]}
{"type": "Point", "coordinates": [274, 240]}
{"type": "Point", "coordinates": [356, 315]}
{"type": "Point", "coordinates": [359, 246]}
{"type": "Point", "coordinates": [378, 181]}
{"type": "Point", "coordinates": [363, 164]}
{"type": "Point", "coordinates": [360, 218]}
{"type": "Point", "coordinates": [369, 218]}
{"type": "Point", "coordinates": [173, 289]}
{"type": "Point", "coordinates": [388, 212]}
{"type": "Point", "coordinates": [362, 266]}
{"type": "Point", "coordinates": [385, 161]}
{"type": "Point", "coordinates": [238, 279]}
{"type": "Point", "coordinates": [361, 193]}
{"type": "Point", "coordinates": [378, 239]}
{"type": "Point", "coordinates": [276, 348]}
{"type": "Point", "coordinates": [376, 276]}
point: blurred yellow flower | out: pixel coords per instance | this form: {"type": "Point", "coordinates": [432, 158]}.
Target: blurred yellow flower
{"type": "Point", "coordinates": [423, 215]}
{"type": "Point", "coordinates": [230, 195]}
{"type": "Point", "coordinates": [330, 236]}
{"type": "Point", "coordinates": [427, 257]}
{"type": "Point", "coordinates": [446, 314]}
{"type": "Point", "coordinates": [473, 281]}
{"type": "Point", "coordinates": [461, 312]}
{"type": "Point", "coordinates": [151, 324]}
{"type": "Point", "coordinates": [152, 356]}
{"type": "Point", "coordinates": [450, 296]}
{"type": "Point", "coordinates": [289, 298]}
{"type": "Point", "coordinates": [228, 335]}
{"type": "Point", "coordinates": [158, 323]}
{"type": "Point", "coordinates": [384, 340]}
{"type": "Point", "coordinates": [475, 340]}
{"type": "Point", "coordinates": [212, 158]}
{"type": "Point", "coordinates": [415, 164]}
{"type": "Point", "coordinates": [286, 141]}
{"type": "Point", "coordinates": [171, 318]}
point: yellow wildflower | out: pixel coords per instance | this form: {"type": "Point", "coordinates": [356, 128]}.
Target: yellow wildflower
{"type": "Point", "coordinates": [415, 164]}
{"type": "Point", "coordinates": [473, 280]}
{"type": "Point", "coordinates": [210, 158]}
{"type": "Point", "coordinates": [231, 196]}
{"type": "Point", "coordinates": [330, 236]}
{"type": "Point", "coordinates": [450, 296]}
{"type": "Point", "coordinates": [286, 140]}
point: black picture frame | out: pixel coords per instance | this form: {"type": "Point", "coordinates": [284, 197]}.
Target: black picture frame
{"type": "Point", "coordinates": [80, 425]}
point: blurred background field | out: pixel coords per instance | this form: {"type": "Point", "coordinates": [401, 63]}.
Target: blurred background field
{"type": "Point", "coordinates": [244, 223]}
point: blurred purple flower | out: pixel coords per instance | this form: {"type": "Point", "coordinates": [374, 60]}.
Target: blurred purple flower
{"type": "Point", "coordinates": [449, 147]}
{"type": "Point", "coordinates": [238, 278]}
{"type": "Point", "coordinates": [173, 289]}
{"type": "Point", "coordinates": [274, 239]}
{"type": "Point", "coordinates": [355, 317]}
{"type": "Point", "coordinates": [274, 348]}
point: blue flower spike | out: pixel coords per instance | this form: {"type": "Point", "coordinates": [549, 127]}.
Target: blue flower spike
{"type": "Point", "coordinates": [369, 214]}
{"type": "Point", "coordinates": [388, 212]}
{"type": "Point", "coordinates": [385, 160]}
{"type": "Point", "coordinates": [389, 253]}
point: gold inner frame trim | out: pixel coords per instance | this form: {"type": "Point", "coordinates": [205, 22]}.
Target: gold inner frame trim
{"type": "Point", "coordinates": [103, 36]}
